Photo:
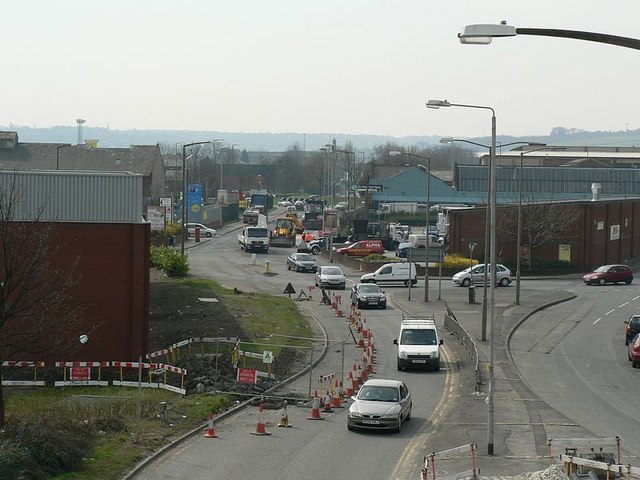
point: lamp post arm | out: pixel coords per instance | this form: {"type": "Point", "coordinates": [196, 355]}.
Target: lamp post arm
{"type": "Point", "coordinates": [626, 42]}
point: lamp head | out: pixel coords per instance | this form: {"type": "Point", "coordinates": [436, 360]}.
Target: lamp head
{"type": "Point", "coordinates": [394, 153]}
{"type": "Point", "coordinates": [438, 103]}
{"type": "Point", "coordinates": [482, 34]}
{"type": "Point", "coordinates": [446, 140]}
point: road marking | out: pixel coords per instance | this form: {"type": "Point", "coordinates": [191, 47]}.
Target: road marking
{"type": "Point", "coordinates": [625, 303]}
{"type": "Point", "coordinates": [636, 297]}
{"type": "Point", "coordinates": [610, 311]}
{"type": "Point", "coordinates": [597, 320]}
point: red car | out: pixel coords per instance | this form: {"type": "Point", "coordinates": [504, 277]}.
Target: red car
{"type": "Point", "coordinates": [609, 274]}
{"type": "Point", "coordinates": [634, 351]}
{"type": "Point", "coordinates": [362, 248]}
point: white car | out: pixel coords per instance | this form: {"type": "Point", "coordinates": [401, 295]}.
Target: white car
{"type": "Point", "coordinates": [204, 230]}
{"type": "Point", "coordinates": [475, 275]}
{"type": "Point", "coordinates": [330, 276]}
{"type": "Point", "coordinates": [380, 405]}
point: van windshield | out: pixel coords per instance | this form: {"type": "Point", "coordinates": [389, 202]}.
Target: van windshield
{"type": "Point", "coordinates": [418, 337]}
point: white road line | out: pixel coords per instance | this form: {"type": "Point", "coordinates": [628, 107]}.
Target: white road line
{"type": "Point", "coordinates": [597, 320]}
{"type": "Point", "coordinates": [636, 297]}
{"type": "Point", "coordinates": [625, 303]}
{"type": "Point", "coordinates": [610, 311]}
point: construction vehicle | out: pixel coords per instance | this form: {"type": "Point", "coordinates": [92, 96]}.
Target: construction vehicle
{"type": "Point", "coordinates": [283, 233]}
{"type": "Point", "coordinates": [300, 228]}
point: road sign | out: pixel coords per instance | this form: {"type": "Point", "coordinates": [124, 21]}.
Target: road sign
{"type": "Point", "coordinates": [267, 357]}
{"type": "Point", "coordinates": [289, 289]}
{"type": "Point", "coordinates": [247, 375]}
{"type": "Point", "coordinates": [165, 202]}
{"type": "Point", "coordinates": [367, 188]}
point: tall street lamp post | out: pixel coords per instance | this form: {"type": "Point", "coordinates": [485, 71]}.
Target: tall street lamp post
{"type": "Point", "coordinates": [492, 253]}
{"type": "Point", "coordinates": [486, 225]}
{"type": "Point", "coordinates": [427, 170]}
{"type": "Point", "coordinates": [483, 34]}
{"type": "Point", "coordinates": [184, 187]}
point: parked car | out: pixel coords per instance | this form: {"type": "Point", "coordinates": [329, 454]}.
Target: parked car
{"type": "Point", "coordinates": [380, 405]}
{"type": "Point", "coordinates": [341, 206]}
{"type": "Point", "coordinates": [316, 245]}
{"type": "Point", "coordinates": [402, 250]}
{"type": "Point", "coordinates": [475, 275]}
{"type": "Point", "coordinates": [368, 295]}
{"type": "Point", "coordinates": [204, 230]}
{"type": "Point", "coordinates": [302, 262]}
{"type": "Point", "coordinates": [330, 277]}
{"type": "Point", "coordinates": [633, 328]}
{"type": "Point", "coordinates": [609, 274]}
{"type": "Point", "coordinates": [634, 351]}
{"type": "Point", "coordinates": [284, 203]}
{"type": "Point", "coordinates": [362, 248]}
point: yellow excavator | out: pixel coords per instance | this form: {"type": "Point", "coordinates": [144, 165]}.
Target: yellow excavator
{"type": "Point", "coordinates": [296, 221]}
{"type": "Point", "coordinates": [284, 233]}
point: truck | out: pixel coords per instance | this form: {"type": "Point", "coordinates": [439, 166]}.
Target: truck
{"type": "Point", "coordinates": [418, 343]}
{"type": "Point", "coordinates": [254, 239]}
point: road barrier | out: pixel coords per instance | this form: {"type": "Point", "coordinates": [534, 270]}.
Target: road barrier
{"type": "Point", "coordinates": [79, 374]}
{"type": "Point", "coordinates": [451, 324]}
{"type": "Point", "coordinates": [23, 364]}
{"type": "Point", "coordinates": [429, 470]}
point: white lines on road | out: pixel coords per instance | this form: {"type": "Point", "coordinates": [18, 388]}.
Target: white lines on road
{"type": "Point", "coordinates": [597, 320]}
{"type": "Point", "coordinates": [625, 303]}
{"type": "Point", "coordinates": [636, 297]}
{"type": "Point", "coordinates": [610, 311]}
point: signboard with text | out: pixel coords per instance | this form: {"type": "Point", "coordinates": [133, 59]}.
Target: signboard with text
{"type": "Point", "coordinates": [247, 375]}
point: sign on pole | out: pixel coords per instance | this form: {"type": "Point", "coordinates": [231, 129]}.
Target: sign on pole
{"type": "Point", "coordinates": [247, 375]}
{"type": "Point", "coordinates": [267, 357]}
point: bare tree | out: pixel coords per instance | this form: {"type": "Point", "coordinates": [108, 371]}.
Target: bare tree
{"type": "Point", "coordinates": [36, 315]}
{"type": "Point", "coordinates": [541, 224]}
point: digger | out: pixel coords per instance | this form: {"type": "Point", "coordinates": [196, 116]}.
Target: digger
{"type": "Point", "coordinates": [284, 233]}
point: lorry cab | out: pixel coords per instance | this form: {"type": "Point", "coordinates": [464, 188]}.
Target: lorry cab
{"type": "Point", "coordinates": [402, 273]}
{"type": "Point", "coordinates": [418, 343]}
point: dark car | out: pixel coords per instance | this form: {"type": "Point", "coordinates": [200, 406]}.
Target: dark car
{"type": "Point", "coordinates": [368, 295]}
{"type": "Point", "coordinates": [633, 328]}
{"type": "Point", "coordinates": [302, 262]}
{"type": "Point", "coordinates": [316, 245]}
{"type": "Point", "coordinates": [609, 274]}
{"type": "Point", "coordinates": [634, 351]}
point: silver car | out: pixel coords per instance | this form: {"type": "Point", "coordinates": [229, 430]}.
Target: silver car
{"type": "Point", "coordinates": [475, 275]}
{"type": "Point", "coordinates": [380, 405]}
{"type": "Point", "coordinates": [302, 262]}
{"type": "Point", "coordinates": [330, 277]}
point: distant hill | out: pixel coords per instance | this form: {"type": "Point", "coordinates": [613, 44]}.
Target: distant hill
{"type": "Point", "coordinates": [276, 142]}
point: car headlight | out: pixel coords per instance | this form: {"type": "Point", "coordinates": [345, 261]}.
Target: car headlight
{"type": "Point", "coordinates": [355, 414]}
{"type": "Point", "coordinates": [391, 415]}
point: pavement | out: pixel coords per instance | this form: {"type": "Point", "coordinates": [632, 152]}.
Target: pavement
{"type": "Point", "coordinates": [522, 423]}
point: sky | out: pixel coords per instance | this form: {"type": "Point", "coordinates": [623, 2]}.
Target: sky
{"type": "Point", "coordinates": [316, 66]}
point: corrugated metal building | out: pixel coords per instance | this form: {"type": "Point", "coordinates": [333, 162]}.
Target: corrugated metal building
{"type": "Point", "coordinates": [98, 225]}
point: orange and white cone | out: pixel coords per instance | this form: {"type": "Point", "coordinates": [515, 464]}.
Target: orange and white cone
{"type": "Point", "coordinates": [315, 410]}
{"type": "Point", "coordinates": [326, 401]}
{"type": "Point", "coordinates": [211, 433]}
{"type": "Point", "coordinates": [261, 428]}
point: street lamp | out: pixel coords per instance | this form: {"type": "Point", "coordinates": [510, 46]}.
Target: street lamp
{"type": "Point", "coordinates": [492, 253]}
{"type": "Point", "coordinates": [184, 186]}
{"type": "Point", "coordinates": [427, 170]}
{"type": "Point", "coordinates": [348, 153]}
{"type": "Point", "coordinates": [58, 154]}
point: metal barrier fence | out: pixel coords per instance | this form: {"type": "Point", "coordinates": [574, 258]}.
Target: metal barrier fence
{"type": "Point", "coordinates": [451, 324]}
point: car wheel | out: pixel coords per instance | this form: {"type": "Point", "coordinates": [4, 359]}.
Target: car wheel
{"type": "Point", "coordinates": [601, 282]}
{"type": "Point", "coordinates": [343, 287]}
{"type": "Point", "coordinates": [629, 357]}
{"type": "Point", "coordinates": [315, 250]}
{"type": "Point", "coordinates": [628, 280]}
{"type": "Point", "coordinates": [626, 342]}
{"type": "Point", "coordinates": [350, 428]}
{"type": "Point", "coordinates": [400, 366]}
{"type": "Point", "coordinates": [408, 417]}
{"type": "Point", "coordinates": [504, 282]}
{"type": "Point", "coordinates": [399, 427]}
{"type": "Point", "coordinates": [634, 364]}
{"type": "Point", "coordinates": [288, 266]}
{"type": "Point", "coordinates": [208, 234]}
{"type": "Point", "coordinates": [466, 282]}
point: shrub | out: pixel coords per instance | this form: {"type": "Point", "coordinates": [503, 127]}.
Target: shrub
{"type": "Point", "coordinates": [170, 261]}
{"type": "Point", "coordinates": [458, 261]}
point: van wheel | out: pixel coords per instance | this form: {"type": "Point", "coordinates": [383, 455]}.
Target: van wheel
{"type": "Point", "coordinates": [407, 283]}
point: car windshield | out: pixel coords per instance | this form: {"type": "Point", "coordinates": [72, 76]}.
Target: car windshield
{"type": "Point", "coordinates": [378, 394]}
{"type": "Point", "coordinates": [368, 288]}
{"type": "Point", "coordinates": [258, 232]}
{"type": "Point", "coordinates": [418, 337]}
{"type": "Point", "coordinates": [331, 271]}
{"type": "Point", "coordinates": [602, 269]}
{"type": "Point", "coordinates": [305, 257]}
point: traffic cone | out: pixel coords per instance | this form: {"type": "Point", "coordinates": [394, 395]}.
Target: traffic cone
{"type": "Point", "coordinates": [284, 420]}
{"type": "Point", "coordinates": [211, 433]}
{"type": "Point", "coordinates": [336, 401]}
{"type": "Point", "coordinates": [261, 428]}
{"type": "Point", "coordinates": [315, 410]}
{"type": "Point", "coordinates": [350, 390]}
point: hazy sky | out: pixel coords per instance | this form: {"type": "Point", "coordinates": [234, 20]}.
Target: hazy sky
{"type": "Point", "coordinates": [315, 66]}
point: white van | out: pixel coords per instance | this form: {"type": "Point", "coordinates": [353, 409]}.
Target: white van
{"type": "Point", "coordinates": [418, 343]}
{"type": "Point", "coordinates": [398, 272]}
